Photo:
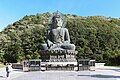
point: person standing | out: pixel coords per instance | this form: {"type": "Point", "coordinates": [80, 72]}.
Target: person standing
{"type": "Point", "coordinates": [8, 69]}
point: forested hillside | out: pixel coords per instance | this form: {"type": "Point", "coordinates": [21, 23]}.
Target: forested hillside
{"type": "Point", "coordinates": [95, 37]}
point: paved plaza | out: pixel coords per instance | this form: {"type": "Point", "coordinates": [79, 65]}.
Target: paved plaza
{"type": "Point", "coordinates": [105, 73]}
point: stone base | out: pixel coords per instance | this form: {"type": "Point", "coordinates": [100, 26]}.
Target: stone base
{"type": "Point", "coordinates": [59, 59]}
{"type": "Point", "coordinates": [58, 55]}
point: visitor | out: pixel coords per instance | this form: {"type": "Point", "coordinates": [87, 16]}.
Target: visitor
{"type": "Point", "coordinates": [8, 69]}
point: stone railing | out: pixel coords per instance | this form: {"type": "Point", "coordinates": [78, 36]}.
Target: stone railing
{"type": "Point", "coordinates": [98, 65]}
{"type": "Point", "coordinates": [17, 66]}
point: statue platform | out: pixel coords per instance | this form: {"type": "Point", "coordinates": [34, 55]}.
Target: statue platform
{"type": "Point", "coordinates": [59, 59]}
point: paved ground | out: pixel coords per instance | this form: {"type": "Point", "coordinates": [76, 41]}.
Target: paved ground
{"type": "Point", "coordinates": [14, 74]}
{"type": "Point", "coordinates": [106, 73]}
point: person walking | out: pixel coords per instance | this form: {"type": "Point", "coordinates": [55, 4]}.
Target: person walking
{"type": "Point", "coordinates": [8, 69]}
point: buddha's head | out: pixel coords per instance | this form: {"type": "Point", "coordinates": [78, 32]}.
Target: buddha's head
{"type": "Point", "coordinates": [57, 20]}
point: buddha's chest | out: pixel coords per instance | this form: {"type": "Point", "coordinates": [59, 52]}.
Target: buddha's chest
{"type": "Point", "coordinates": [57, 32]}
{"type": "Point", "coordinates": [57, 35]}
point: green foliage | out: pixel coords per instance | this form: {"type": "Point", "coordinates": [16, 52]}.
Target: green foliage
{"type": "Point", "coordinates": [2, 55]}
{"type": "Point", "coordinates": [95, 37]}
{"type": "Point", "coordinates": [2, 66]}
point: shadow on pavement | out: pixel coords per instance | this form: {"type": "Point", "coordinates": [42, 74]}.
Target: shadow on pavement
{"type": "Point", "coordinates": [101, 76]}
{"type": "Point", "coordinates": [118, 70]}
{"type": "Point", "coordinates": [2, 77]}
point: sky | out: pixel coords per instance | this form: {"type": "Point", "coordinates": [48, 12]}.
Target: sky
{"type": "Point", "coordinates": [14, 10]}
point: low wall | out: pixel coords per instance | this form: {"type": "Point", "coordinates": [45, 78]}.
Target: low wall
{"type": "Point", "coordinates": [17, 66]}
{"type": "Point", "coordinates": [98, 65]}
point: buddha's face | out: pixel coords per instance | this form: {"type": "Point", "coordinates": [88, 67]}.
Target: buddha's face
{"type": "Point", "coordinates": [57, 22]}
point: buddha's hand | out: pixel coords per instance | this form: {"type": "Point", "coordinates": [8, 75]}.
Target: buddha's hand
{"type": "Point", "coordinates": [49, 43]}
{"type": "Point", "coordinates": [66, 42]}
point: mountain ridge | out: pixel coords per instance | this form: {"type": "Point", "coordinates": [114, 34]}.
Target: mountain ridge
{"type": "Point", "coordinates": [95, 37]}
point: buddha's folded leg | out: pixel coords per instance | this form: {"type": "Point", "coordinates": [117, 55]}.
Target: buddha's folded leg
{"type": "Point", "coordinates": [53, 47]}
{"type": "Point", "coordinates": [68, 46]}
